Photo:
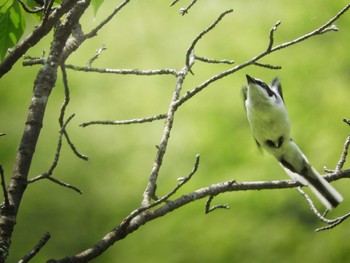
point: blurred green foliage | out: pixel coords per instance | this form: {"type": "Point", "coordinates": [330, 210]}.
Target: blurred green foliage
{"type": "Point", "coordinates": [264, 226]}
{"type": "Point", "coordinates": [12, 25]}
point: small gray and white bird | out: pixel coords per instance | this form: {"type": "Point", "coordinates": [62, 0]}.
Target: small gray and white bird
{"type": "Point", "coordinates": [269, 121]}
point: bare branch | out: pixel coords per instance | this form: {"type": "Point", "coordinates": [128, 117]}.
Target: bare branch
{"type": "Point", "coordinates": [126, 122]}
{"type": "Point", "coordinates": [36, 249]}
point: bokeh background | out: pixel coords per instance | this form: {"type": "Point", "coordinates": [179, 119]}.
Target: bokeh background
{"type": "Point", "coordinates": [260, 226]}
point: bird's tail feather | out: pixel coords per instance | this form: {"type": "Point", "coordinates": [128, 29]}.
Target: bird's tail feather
{"type": "Point", "coordinates": [323, 190]}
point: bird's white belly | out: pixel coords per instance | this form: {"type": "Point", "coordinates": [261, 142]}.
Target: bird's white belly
{"type": "Point", "coordinates": [269, 124]}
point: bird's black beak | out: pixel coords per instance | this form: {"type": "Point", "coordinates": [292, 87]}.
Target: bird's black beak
{"type": "Point", "coordinates": [250, 79]}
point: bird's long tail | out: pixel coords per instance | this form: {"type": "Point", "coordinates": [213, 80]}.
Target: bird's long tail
{"type": "Point", "coordinates": [325, 192]}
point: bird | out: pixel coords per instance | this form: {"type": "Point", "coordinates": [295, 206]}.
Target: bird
{"type": "Point", "coordinates": [270, 125]}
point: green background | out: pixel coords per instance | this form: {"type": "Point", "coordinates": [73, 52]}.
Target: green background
{"type": "Point", "coordinates": [260, 226]}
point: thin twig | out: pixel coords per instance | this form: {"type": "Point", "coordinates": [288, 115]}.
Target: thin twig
{"type": "Point", "coordinates": [47, 9]}
{"type": "Point", "coordinates": [47, 175]}
{"type": "Point", "coordinates": [331, 223]}
{"type": "Point", "coordinates": [4, 190]}
{"type": "Point", "coordinates": [94, 31]}
{"type": "Point", "coordinates": [98, 53]}
{"type": "Point", "coordinates": [62, 113]}
{"type": "Point", "coordinates": [209, 209]}
{"type": "Point", "coordinates": [266, 65]}
{"type": "Point", "coordinates": [126, 122]}
{"type": "Point", "coordinates": [34, 11]}
{"type": "Point", "coordinates": [183, 180]}
{"type": "Point", "coordinates": [52, 179]}
{"type": "Point", "coordinates": [184, 11]}
{"type": "Point", "coordinates": [215, 61]}
{"type": "Point", "coordinates": [36, 249]}
{"type": "Point", "coordinates": [343, 156]}
{"type": "Point", "coordinates": [57, 155]}
{"type": "Point", "coordinates": [271, 36]}
{"type": "Point", "coordinates": [174, 2]}
{"type": "Point", "coordinates": [205, 31]}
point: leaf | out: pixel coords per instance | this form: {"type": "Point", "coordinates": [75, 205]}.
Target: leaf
{"type": "Point", "coordinates": [12, 25]}
{"type": "Point", "coordinates": [96, 5]}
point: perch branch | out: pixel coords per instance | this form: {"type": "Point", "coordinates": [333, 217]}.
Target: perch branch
{"type": "Point", "coordinates": [141, 216]}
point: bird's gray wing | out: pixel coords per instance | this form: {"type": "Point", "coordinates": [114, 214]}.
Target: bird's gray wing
{"type": "Point", "coordinates": [277, 87]}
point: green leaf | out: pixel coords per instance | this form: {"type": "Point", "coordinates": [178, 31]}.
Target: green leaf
{"type": "Point", "coordinates": [96, 5]}
{"type": "Point", "coordinates": [12, 25]}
